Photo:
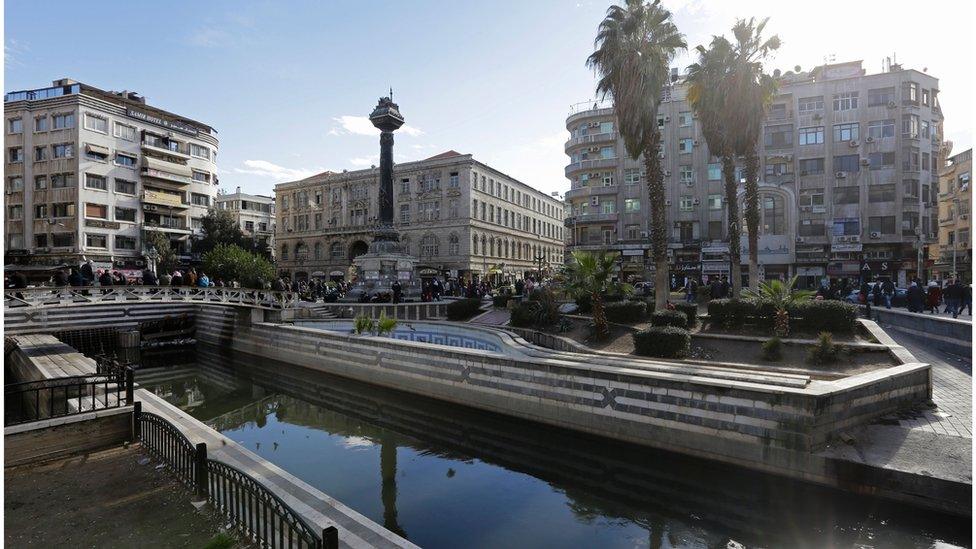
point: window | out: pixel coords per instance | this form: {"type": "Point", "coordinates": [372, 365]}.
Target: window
{"type": "Point", "coordinates": [63, 121]}
{"type": "Point", "coordinates": [405, 213]}
{"type": "Point", "coordinates": [686, 145]}
{"type": "Point", "coordinates": [845, 101]}
{"type": "Point", "coordinates": [847, 227]}
{"type": "Point", "coordinates": [40, 182]}
{"type": "Point", "coordinates": [606, 127]}
{"type": "Point", "coordinates": [909, 126]}
{"type": "Point", "coordinates": [607, 180]}
{"type": "Point", "coordinates": [96, 123]}
{"type": "Point", "coordinates": [779, 136]}
{"type": "Point", "coordinates": [430, 182]}
{"type": "Point", "coordinates": [431, 211]}
{"type": "Point", "coordinates": [684, 119]}
{"type": "Point", "coordinates": [715, 229]}
{"type": "Point", "coordinates": [881, 160]}
{"type": "Point", "coordinates": [880, 96]}
{"type": "Point", "coordinates": [715, 171]}
{"type": "Point", "coordinates": [62, 209]}
{"type": "Point", "coordinates": [810, 104]}
{"type": "Point", "coordinates": [453, 245]}
{"type": "Point", "coordinates": [452, 209]}
{"type": "Point", "coordinates": [15, 154]}
{"type": "Point", "coordinates": [925, 161]}
{"type": "Point", "coordinates": [40, 154]}
{"type": "Point", "coordinates": [910, 94]}
{"type": "Point", "coordinates": [778, 166]}
{"type": "Point", "coordinates": [62, 180]}
{"type": "Point", "coordinates": [632, 176]}
{"type": "Point", "coordinates": [926, 129]}
{"type": "Point", "coordinates": [93, 181]}
{"type": "Point", "coordinates": [199, 199]}
{"type": "Point", "coordinates": [15, 212]}
{"type": "Point", "coordinates": [773, 215]}
{"type": "Point", "coordinates": [204, 177]}
{"type": "Point", "coordinates": [429, 246]}
{"type": "Point", "coordinates": [881, 193]}
{"type": "Point", "coordinates": [608, 206]}
{"type": "Point", "coordinates": [455, 180]}
{"type": "Point", "coordinates": [847, 195]}
{"type": "Point", "coordinates": [125, 186]}
{"type": "Point", "coordinates": [847, 163]}
{"type": "Point", "coordinates": [631, 205]}
{"type": "Point", "coordinates": [199, 151]}
{"type": "Point", "coordinates": [40, 240]}
{"type": "Point", "coordinates": [607, 153]}
{"type": "Point", "coordinates": [15, 183]}
{"type": "Point", "coordinates": [96, 240]}
{"type": "Point", "coordinates": [879, 129]}
{"type": "Point", "coordinates": [845, 132]}
{"type": "Point", "coordinates": [812, 227]}
{"type": "Point", "coordinates": [15, 125]}
{"type": "Point", "coordinates": [812, 199]}
{"type": "Point", "coordinates": [63, 150]}
{"type": "Point", "coordinates": [882, 224]}
{"type": "Point", "coordinates": [124, 242]}
{"type": "Point", "coordinates": [125, 214]}
{"type": "Point", "coordinates": [61, 240]}
{"type": "Point", "coordinates": [910, 187]}
{"type": "Point", "coordinates": [284, 251]}
{"type": "Point", "coordinates": [687, 174]}
{"type": "Point", "coordinates": [686, 204]}
{"type": "Point", "coordinates": [97, 211]}
{"type": "Point", "coordinates": [777, 111]}
{"type": "Point", "coordinates": [40, 124]}
{"type": "Point", "coordinates": [714, 202]}
{"type": "Point", "coordinates": [124, 131]}
{"type": "Point", "coordinates": [811, 166]}
{"type": "Point", "coordinates": [909, 159]}
{"type": "Point", "coordinates": [812, 136]}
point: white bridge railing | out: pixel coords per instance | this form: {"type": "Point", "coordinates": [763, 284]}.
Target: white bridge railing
{"type": "Point", "coordinates": [54, 297]}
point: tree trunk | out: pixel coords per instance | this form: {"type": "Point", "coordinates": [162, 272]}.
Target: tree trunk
{"type": "Point", "coordinates": [752, 216]}
{"type": "Point", "coordinates": [600, 326]}
{"type": "Point", "coordinates": [732, 205]}
{"type": "Point", "coordinates": [659, 222]}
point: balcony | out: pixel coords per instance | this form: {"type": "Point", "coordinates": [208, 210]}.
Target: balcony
{"type": "Point", "coordinates": [148, 146]}
{"type": "Point", "coordinates": [596, 164]}
{"type": "Point", "coordinates": [606, 137]}
{"type": "Point", "coordinates": [166, 171]}
{"type": "Point", "coordinates": [163, 199]}
{"type": "Point", "coordinates": [590, 218]}
{"type": "Point", "coordinates": [588, 109]}
{"type": "Point", "coordinates": [168, 224]}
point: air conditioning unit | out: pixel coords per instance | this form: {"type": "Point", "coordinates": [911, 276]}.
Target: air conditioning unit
{"type": "Point", "coordinates": [594, 200]}
{"type": "Point", "coordinates": [696, 201]}
{"type": "Point", "coordinates": [840, 175]}
{"type": "Point", "coordinates": [667, 202]}
{"type": "Point", "coordinates": [593, 125]}
{"type": "Point", "coordinates": [800, 240]}
{"type": "Point", "coordinates": [853, 143]}
{"type": "Point", "coordinates": [875, 234]}
{"type": "Point", "coordinates": [667, 173]}
{"type": "Point", "coordinates": [667, 118]}
{"type": "Point", "coordinates": [892, 104]}
{"type": "Point", "coordinates": [660, 154]}
{"type": "Point", "coordinates": [869, 139]}
{"type": "Point", "coordinates": [865, 162]}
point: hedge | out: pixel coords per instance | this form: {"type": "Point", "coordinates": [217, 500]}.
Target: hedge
{"type": "Point", "coordinates": [690, 310]}
{"type": "Point", "coordinates": [663, 342]}
{"type": "Point", "coordinates": [500, 300]}
{"type": "Point", "coordinates": [463, 309]}
{"type": "Point", "coordinates": [824, 316]}
{"type": "Point", "coordinates": [676, 319]}
{"type": "Point", "coordinates": [523, 315]}
{"type": "Point", "coordinates": [626, 312]}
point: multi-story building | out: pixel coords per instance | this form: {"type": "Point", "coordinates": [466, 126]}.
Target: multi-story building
{"type": "Point", "coordinates": [954, 255]}
{"type": "Point", "coordinates": [89, 172]}
{"type": "Point", "coordinates": [846, 187]}
{"type": "Point", "coordinates": [255, 214]}
{"type": "Point", "coordinates": [460, 217]}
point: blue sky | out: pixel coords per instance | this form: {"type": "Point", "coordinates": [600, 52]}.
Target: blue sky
{"type": "Point", "coordinates": [287, 84]}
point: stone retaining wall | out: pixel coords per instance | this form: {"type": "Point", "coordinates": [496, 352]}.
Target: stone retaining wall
{"type": "Point", "coordinates": [58, 437]}
{"type": "Point", "coordinates": [948, 334]}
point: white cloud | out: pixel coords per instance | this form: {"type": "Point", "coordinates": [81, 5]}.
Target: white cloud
{"type": "Point", "coordinates": [208, 37]}
{"type": "Point", "coordinates": [13, 52]}
{"type": "Point", "coordinates": [360, 125]}
{"type": "Point", "coordinates": [363, 161]}
{"type": "Point", "coordinates": [263, 168]}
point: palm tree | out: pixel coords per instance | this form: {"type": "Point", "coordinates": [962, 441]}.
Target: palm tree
{"type": "Point", "coordinates": [707, 80]}
{"type": "Point", "coordinates": [589, 275]}
{"type": "Point", "coordinates": [781, 296]}
{"type": "Point", "coordinates": [634, 45]}
{"type": "Point", "coordinates": [749, 91]}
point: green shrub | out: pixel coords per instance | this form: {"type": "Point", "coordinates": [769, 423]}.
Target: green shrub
{"type": "Point", "coordinates": [523, 315]}
{"type": "Point", "coordinates": [825, 316]}
{"type": "Point", "coordinates": [669, 318]}
{"type": "Point", "coordinates": [759, 311]}
{"type": "Point", "coordinates": [363, 325]}
{"type": "Point", "coordinates": [823, 351]}
{"type": "Point", "coordinates": [230, 262]}
{"type": "Point", "coordinates": [463, 309]}
{"type": "Point", "coordinates": [690, 310]}
{"type": "Point", "coordinates": [663, 341]}
{"type": "Point", "coordinates": [500, 300]}
{"type": "Point", "coordinates": [540, 311]}
{"type": "Point", "coordinates": [386, 324]}
{"type": "Point", "coordinates": [626, 312]}
{"type": "Point", "coordinates": [772, 349]}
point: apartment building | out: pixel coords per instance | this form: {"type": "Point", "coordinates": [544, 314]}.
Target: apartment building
{"type": "Point", "coordinates": [462, 219]}
{"type": "Point", "coordinates": [90, 172]}
{"type": "Point", "coordinates": [255, 214]}
{"type": "Point", "coordinates": [954, 254]}
{"type": "Point", "coordinates": [846, 185]}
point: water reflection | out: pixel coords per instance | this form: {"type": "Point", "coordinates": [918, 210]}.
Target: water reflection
{"type": "Point", "coordinates": [446, 476]}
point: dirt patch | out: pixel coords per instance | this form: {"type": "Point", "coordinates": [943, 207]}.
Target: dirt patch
{"type": "Point", "coordinates": [110, 498]}
{"type": "Point", "coordinates": [757, 331]}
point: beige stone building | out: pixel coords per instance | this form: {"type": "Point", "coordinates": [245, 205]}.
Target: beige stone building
{"type": "Point", "coordinates": [460, 217]}
{"type": "Point", "coordinates": [255, 214]}
{"type": "Point", "coordinates": [89, 172]}
{"type": "Point", "coordinates": [849, 163]}
{"type": "Point", "coordinates": [954, 254]}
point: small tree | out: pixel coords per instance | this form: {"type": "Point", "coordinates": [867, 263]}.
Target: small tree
{"type": "Point", "coordinates": [220, 227]}
{"type": "Point", "coordinates": [166, 262]}
{"type": "Point", "coordinates": [230, 262]}
{"type": "Point", "coordinates": [589, 276]}
{"type": "Point", "coordinates": [781, 296]}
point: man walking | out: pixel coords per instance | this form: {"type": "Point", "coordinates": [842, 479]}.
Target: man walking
{"type": "Point", "coordinates": [888, 291]}
{"type": "Point", "coordinates": [953, 297]}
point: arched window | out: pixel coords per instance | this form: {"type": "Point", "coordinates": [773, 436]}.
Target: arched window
{"type": "Point", "coordinates": [506, 249]}
{"type": "Point", "coordinates": [284, 251]}
{"type": "Point", "coordinates": [301, 251]}
{"type": "Point", "coordinates": [484, 245]}
{"type": "Point", "coordinates": [474, 244]}
{"type": "Point", "coordinates": [335, 250]}
{"type": "Point", "coordinates": [429, 246]}
{"type": "Point", "coordinates": [491, 246]}
{"type": "Point", "coordinates": [318, 250]}
{"type": "Point", "coordinates": [454, 245]}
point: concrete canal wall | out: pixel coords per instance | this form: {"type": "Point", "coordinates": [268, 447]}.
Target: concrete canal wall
{"type": "Point", "coordinates": [948, 334]}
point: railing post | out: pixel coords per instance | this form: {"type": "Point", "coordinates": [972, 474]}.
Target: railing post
{"type": "Point", "coordinates": [330, 538]}
{"type": "Point", "coordinates": [200, 458]}
{"type": "Point", "coordinates": [136, 427]}
{"type": "Point", "coordinates": [128, 385]}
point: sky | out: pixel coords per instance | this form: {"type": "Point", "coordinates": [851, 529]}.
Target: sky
{"type": "Point", "coordinates": [288, 85]}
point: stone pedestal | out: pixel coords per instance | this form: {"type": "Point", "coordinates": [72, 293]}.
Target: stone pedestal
{"type": "Point", "coordinates": [378, 268]}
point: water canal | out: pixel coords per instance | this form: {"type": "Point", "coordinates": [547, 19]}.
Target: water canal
{"type": "Point", "coordinates": [446, 476]}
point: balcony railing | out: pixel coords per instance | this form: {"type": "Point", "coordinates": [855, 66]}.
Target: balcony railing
{"type": "Point", "coordinates": [59, 296]}
{"type": "Point", "coordinates": [604, 137]}
{"type": "Point", "coordinates": [595, 164]}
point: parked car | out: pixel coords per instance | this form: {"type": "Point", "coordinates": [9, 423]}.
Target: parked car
{"type": "Point", "coordinates": [643, 288]}
{"type": "Point", "coordinates": [900, 299]}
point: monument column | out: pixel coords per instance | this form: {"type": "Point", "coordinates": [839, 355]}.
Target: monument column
{"type": "Point", "coordinates": [386, 118]}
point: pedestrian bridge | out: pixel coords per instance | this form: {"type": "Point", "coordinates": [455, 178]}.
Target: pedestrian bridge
{"type": "Point", "coordinates": [51, 297]}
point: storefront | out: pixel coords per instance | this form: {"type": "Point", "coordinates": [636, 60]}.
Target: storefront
{"type": "Point", "coordinates": [808, 277]}
{"type": "Point", "coordinates": [882, 270]}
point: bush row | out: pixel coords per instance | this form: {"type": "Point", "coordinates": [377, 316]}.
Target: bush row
{"type": "Point", "coordinates": [669, 318]}
{"type": "Point", "coordinates": [814, 316]}
{"type": "Point", "coordinates": [663, 341]}
{"type": "Point", "coordinates": [463, 309]}
{"type": "Point", "coordinates": [626, 312]}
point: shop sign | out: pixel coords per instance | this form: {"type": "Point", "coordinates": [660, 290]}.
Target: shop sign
{"type": "Point", "coordinates": [102, 224]}
{"type": "Point", "coordinates": [371, 275]}
{"type": "Point", "coordinates": [810, 271]}
{"type": "Point", "coordinates": [168, 124]}
{"type": "Point", "coordinates": [846, 247]}
{"type": "Point", "coordinates": [843, 268]}
{"type": "Point", "coordinates": [633, 252]}
{"type": "Point", "coordinates": [884, 266]}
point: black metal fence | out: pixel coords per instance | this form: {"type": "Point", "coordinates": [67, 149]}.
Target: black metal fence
{"type": "Point", "coordinates": [257, 512]}
{"type": "Point", "coordinates": [66, 396]}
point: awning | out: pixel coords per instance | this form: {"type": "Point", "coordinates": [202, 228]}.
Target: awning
{"type": "Point", "coordinates": [163, 166]}
{"type": "Point", "coordinates": [96, 149]}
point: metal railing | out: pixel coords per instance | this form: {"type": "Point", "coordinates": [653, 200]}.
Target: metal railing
{"type": "Point", "coordinates": [66, 396]}
{"type": "Point", "coordinates": [255, 510]}
{"type": "Point", "coordinates": [75, 295]}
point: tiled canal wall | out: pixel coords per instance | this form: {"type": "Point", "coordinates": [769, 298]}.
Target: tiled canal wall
{"type": "Point", "coordinates": [428, 310]}
{"type": "Point", "coordinates": [83, 317]}
{"type": "Point", "coordinates": [758, 425]}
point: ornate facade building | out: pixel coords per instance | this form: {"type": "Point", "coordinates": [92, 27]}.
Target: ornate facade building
{"type": "Point", "coordinates": [954, 254]}
{"type": "Point", "coordinates": [459, 217]}
{"type": "Point", "coordinates": [847, 182]}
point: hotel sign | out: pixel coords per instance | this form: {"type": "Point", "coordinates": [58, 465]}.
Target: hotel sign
{"type": "Point", "coordinates": [168, 124]}
{"type": "Point", "coordinates": [102, 224]}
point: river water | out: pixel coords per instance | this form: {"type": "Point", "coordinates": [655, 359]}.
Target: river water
{"type": "Point", "coordinates": [446, 476]}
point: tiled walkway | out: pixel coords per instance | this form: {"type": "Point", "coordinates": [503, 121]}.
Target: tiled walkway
{"type": "Point", "coordinates": [494, 317]}
{"type": "Point", "coordinates": [952, 389]}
